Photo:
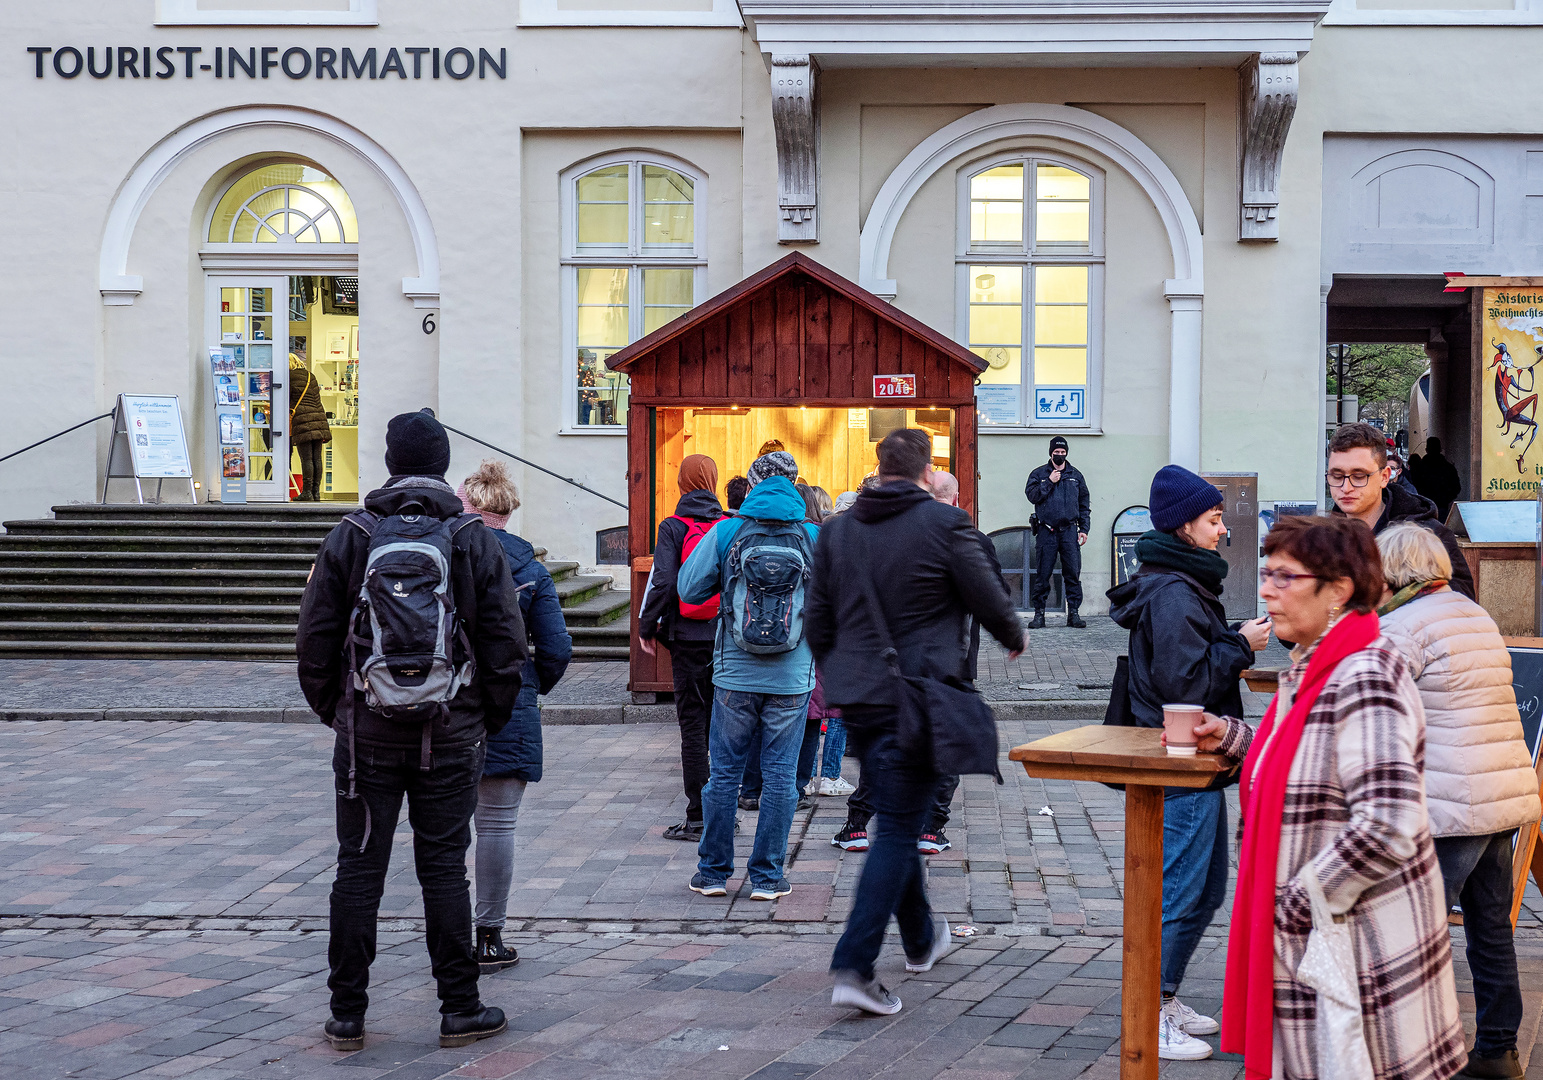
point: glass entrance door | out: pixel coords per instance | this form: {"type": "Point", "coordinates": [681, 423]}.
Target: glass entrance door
{"type": "Point", "coordinates": [248, 321]}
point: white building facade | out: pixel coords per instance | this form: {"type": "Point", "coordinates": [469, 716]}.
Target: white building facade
{"type": "Point", "coordinates": [1147, 215]}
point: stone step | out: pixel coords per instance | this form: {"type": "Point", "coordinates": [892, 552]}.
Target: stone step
{"type": "Point", "coordinates": [595, 652]}
{"type": "Point", "coordinates": [576, 590]}
{"type": "Point", "coordinates": [150, 575]}
{"type": "Point", "coordinates": [122, 593]}
{"type": "Point", "coordinates": [271, 633]}
{"type": "Point", "coordinates": [20, 649]}
{"type": "Point", "coordinates": [185, 561]}
{"type": "Point", "coordinates": [61, 611]}
{"type": "Point", "coordinates": [172, 513]}
{"type": "Point", "coordinates": [559, 570]}
{"type": "Point", "coordinates": [306, 530]}
{"type": "Point", "coordinates": [607, 607]}
{"type": "Point", "coordinates": [154, 542]}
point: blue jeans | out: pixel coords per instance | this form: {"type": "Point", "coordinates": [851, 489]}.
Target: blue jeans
{"type": "Point", "coordinates": [750, 785]}
{"type": "Point", "coordinates": [1194, 874]}
{"type": "Point", "coordinates": [835, 747]}
{"type": "Point", "coordinates": [893, 880]}
{"type": "Point", "coordinates": [736, 714]}
{"type": "Point", "coordinates": [1477, 873]}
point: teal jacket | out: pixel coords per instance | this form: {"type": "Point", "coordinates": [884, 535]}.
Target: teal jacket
{"type": "Point", "coordinates": [773, 499]}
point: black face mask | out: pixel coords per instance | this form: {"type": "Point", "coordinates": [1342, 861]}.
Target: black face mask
{"type": "Point", "coordinates": [1058, 460]}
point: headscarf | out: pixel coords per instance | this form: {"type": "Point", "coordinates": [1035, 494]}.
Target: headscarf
{"type": "Point", "coordinates": [776, 463]}
{"type": "Point", "coordinates": [698, 472]}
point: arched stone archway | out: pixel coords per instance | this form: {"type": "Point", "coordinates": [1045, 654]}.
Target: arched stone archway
{"type": "Point", "coordinates": [119, 287]}
{"type": "Point", "coordinates": [1184, 291]}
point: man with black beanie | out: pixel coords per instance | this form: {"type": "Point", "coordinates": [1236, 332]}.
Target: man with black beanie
{"type": "Point", "coordinates": [1061, 523]}
{"type": "Point", "coordinates": [436, 764]}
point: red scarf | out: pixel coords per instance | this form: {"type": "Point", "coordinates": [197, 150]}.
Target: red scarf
{"type": "Point", "coordinates": [1248, 994]}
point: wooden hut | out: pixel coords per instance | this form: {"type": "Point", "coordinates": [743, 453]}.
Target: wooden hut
{"type": "Point", "coordinates": [795, 353]}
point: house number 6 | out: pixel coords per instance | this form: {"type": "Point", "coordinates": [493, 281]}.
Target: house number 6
{"type": "Point", "coordinates": [429, 325]}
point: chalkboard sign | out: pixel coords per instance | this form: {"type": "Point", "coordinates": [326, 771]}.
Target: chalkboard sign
{"type": "Point", "coordinates": [1527, 679]}
{"type": "Point", "coordinates": [1129, 526]}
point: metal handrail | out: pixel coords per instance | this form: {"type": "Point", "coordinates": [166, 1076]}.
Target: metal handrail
{"type": "Point", "coordinates": [55, 435]}
{"type": "Point", "coordinates": [532, 464]}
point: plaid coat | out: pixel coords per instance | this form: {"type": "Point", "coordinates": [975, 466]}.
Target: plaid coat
{"type": "Point", "coordinates": [1355, 816]}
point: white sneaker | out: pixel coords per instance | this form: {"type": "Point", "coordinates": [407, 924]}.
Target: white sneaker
{"type": "Point", "coordinates": [812, 787]}
{"type": "Point", "coordinates": [1189, 1021]}
{"type": "Point", "coordinates": [869, 996]}
{"type": "Point", "coordinates": [1174, 1045]}
{"type": "Point", "coordinates": [838, 786]}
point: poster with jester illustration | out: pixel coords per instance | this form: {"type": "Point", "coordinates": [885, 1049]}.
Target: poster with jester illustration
{"type": "Point", "coordinates": [1512, 352]}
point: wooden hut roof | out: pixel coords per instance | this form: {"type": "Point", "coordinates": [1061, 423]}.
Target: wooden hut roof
{"type": "Point", "coordinates": [910, 343]}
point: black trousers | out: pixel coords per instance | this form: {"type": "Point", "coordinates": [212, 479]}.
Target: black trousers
{"type": "Point", "coordinates": [691, 666]}
{"type": "Point", "coordinates": [440, 803]}
{"type": "Point", "coordinates": [1047, 542]}
{"type": "Point", "coordinates": [310, 469]}
{"type": "Point", "coordinates": [1477, 873]}
{"type": "Point", "coordinates": [860, 804]}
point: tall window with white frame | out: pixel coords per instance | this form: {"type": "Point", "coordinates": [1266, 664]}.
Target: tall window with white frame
{"type": "Point", "coordinates": [1030, 282]}
{"type": "Point", "coordinates": [632, 262]}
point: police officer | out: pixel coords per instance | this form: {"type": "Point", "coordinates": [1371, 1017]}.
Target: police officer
{"type": "Point", "coordinates": [1061, 522]}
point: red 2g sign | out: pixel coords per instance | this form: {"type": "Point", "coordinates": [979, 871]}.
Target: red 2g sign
{"type": "Point", "coordinates": [894, 386]}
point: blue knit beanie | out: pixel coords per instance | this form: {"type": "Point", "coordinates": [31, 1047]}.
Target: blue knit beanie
{"type": "Point", "coordinates": [1178, 495]}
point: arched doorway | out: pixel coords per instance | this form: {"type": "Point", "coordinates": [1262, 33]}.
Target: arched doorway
{"type": "Point", "coordinates": [281, 266]}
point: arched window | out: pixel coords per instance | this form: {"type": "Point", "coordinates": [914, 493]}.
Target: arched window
{"type": "Point", "coordinates": [1030, 285]}
{"type": "Point", "coordinates": [284, 203]}
{"type": "Point", "coordinates": [634, 257]}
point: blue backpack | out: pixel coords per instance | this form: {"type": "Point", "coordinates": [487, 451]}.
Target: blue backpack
{"type": "Point", "coordinates": [768, 568]}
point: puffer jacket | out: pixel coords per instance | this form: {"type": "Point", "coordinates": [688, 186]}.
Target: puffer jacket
{"type": "Point", "coordinates": [516, 750]}
{"type": "Point", "coordinates": [1479, 778]}
{"type": "Point", "coordinates": [307, 417]}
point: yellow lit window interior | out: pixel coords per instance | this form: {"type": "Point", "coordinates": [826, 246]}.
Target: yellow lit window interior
{"type": "Point", "coordinates": [667, 294]}
{"type": "Point", "coordinates": [284, 203]}
{"type": "Point", "coordinates": [603, 304]}
{"type": "Point", "coordinates": [1061, 206]}
{"type": "Point", "coordinates": [602, 199]}
{"type": "Point", "coordinates": [1060, 325]}
{"type": "Point", "coordinates": [996, 205]}
{"type": "Point", "coordinates": [996, 321]}
{"type": "Point", "coordinates": [668, 217]}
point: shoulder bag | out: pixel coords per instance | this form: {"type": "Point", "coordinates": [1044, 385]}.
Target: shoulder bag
{"type": "Point", "coordinates": [943, 723]}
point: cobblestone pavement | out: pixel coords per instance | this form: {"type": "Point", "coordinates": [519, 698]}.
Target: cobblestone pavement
{"type": "Point", "coordinates": [1061, 664]}
{"type": "Point", "coordinates": [163, 899]}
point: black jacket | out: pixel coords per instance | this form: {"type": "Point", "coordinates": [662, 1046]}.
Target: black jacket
{"type": "Point", "coordinates": [1060, 503]}
{"type": "Point", "coordinates": [1181, 651]}
{"type": "Point", "coordinates": [660, 615]}
{"type": "Point", "coordinates": [516, 750]}
{"type": "Point", "coordinates": [485, 603]}
{"type": "Point", "coordinates": [1399, 505]}
{"type": "Point", "coordinates": [931, 573]}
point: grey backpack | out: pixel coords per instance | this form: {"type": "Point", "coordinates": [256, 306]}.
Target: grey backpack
{"type": "Point", "coordinates": [768, 566]}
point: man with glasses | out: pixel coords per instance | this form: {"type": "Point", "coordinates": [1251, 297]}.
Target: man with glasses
{"type": "Point", "coordinates": [1360, 482]}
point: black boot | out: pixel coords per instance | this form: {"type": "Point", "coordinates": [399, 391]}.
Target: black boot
{"type": "Point", "coordinates": [1074, 620]}
{"type": "Point", "coordinates": [1038, 621]}
{"type": "Point", "coordinates": [1505, 1067]}
{"type": "Point", "coordinates": [491, 954]}
{"type": "Point", "coordinates": [345, 1034]}
{"type": "Point", "coordinates": [463, 1029]}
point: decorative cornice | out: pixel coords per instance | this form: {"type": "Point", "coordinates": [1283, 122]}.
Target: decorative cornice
{"type": "Point", "coordinates": [1268, 85]}
{"type": "Point", "coordinates": [795, 119]}
{"type": "Point", "coordinates": [1095, 32]}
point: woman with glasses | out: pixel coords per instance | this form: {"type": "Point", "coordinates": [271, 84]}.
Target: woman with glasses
{"type": "Point", "coordinates": [1335, 831]}
{"type": "Point", "coordinates": [1183, 652]}
{"type": "Point", "coordinates": [1480, 786]}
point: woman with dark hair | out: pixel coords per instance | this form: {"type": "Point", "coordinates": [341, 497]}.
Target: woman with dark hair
{"type": "Point", "coordinates": [1335, 833]}
{"type": "Point", "coordinates": [1183, 652]}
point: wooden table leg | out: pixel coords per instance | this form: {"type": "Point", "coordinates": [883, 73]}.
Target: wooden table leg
{"type": "Point", "coordinates": [1141, 981]}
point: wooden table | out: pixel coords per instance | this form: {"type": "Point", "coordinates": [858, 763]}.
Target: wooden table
{"type": "Point", "coordinates": [1135, 758]}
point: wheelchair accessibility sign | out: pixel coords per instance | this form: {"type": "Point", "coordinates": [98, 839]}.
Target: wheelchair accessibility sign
{"type": "Point", "coordinates": [1059, 403]}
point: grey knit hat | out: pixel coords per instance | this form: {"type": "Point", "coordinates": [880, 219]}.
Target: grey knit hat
{"type": "Point", "coordinates": [776, 463]}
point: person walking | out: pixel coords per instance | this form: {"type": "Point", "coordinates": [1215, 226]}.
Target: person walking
{"type": "Point", "coordinates": [1061, 522]}
{"type": "Point", "coordinates": [929, 574]}
{"type": "Point", "coordinates": [1183, 652]}
{"type": "Point", "coordinates": [1437, 479]}
{"type": "Point", "coordinates": [1480, 786]}
{"type": "Point", "coordinates": [1359, 481]}
{"type": "Point", "coordinates": [687, 630]}
{"type": "Point", "coordinates": [763, 670]}
{"type": "Point", "coordinates": [1335, 831]}
{"type": "Point", "coordinates": [436, 765]}
{"type": "Point", "coordinates": [308, 427]}
{"type": "Point", "coordinates": [514, 753]}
